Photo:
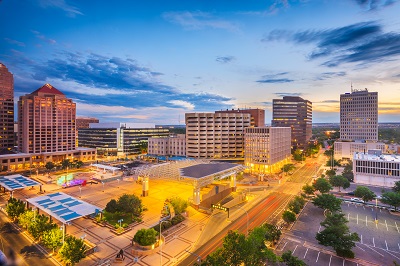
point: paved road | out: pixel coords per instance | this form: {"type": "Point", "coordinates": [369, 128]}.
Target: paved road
{"type": "Point", "coordinates": [11, 240]}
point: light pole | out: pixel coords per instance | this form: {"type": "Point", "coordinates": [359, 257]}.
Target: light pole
{"type": "Point", "coordinates": [120, 220]}
{"type": "Point", "coordinates": [63, 230]}
{"type": "Point", "coordinates": [247, 231]}
{"type": "Point", "coordinates": [160, 243]}
{"type": "Point", "coordinates": [80, 191]}
{"type": "Point", "coordinates": [118, 182]}
{"type": "Point", "coordinates": [103, 186]}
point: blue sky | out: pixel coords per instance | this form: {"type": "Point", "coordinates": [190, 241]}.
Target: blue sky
{"type": "Point", "coordinates": [153, 61]}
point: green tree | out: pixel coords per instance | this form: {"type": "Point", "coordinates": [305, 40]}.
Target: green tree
{"type": "Point", "coordinates": [52, 238]}
{"type": "Point", "coordinates": [322, 185]}
{"type": "Point", "coordinates": [146, 237]}
{"type": "Point", "coordinates": [391, 198]}
{"type": "Point", "coordinates": [73, 250]}
{"type": "Point", "coordinates": [14, 208]}
{"type": "Point", "coordinates": [339, 181]}
{"type": "Point", "coordinates": [396, 187]}
{"type": "Point", "coordinates": [291, 260]}
{"type": "Point", "coordinates": [288, 167]}
{"type": "Point", "coordinates": [234, 247]}
{"type": "Point", "coordinates": [288, 217]}
{"type": "Point", "coordinates": [112, 206]}
{"type": "Point", "coordinates": [78, 164]}
{"type": "Point", "coordinates": [327, 202]}
{"type": "Point", "coordinates": [130, 204]}
{"type": "Point", "coordinates": [142, 146]}
{"type": "Point", "coordinates": [298, 155]}
{"type": "Point", "coordinates": [337, 235]}
{"type": "Point", "coordinates": [49, 166]}
{"type": "Point", "coordinates": [273, 233]}
{"type": "Point", "coordinates": [39, 225]}
{"type": "Point", "coordinates": [180, 205]}
{"type": "Point", "coordinates": [348, 172]}
{"type": "Point", "coordinates": [296, 204]}
{"type": "Point", "coordinates": [308, 189]}
{"type": "Point", "coordinates": [256, 251]}
{"type": "Point", "coordinates": [65, 163]}
{"type": "Point", "coordinates": [365, 193]}
{"type": "Point", "coordinates": [330, 172]}
{"type": "Point", "coordinates": [26, 218]}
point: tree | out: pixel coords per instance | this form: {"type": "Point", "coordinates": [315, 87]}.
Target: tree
{"type": "Point", "coordinates": [391, 198]}
{"type": "Point", "coordinates": [337, 235]}
{"type": "Point", "coordinates": [39, 225]}
{"type": "Point", "coordinates": [73, 250]}
{"type": "Point", "coordinates": [348, 172]}
{"type": "Point", "coordinates": [26, 218]}
{"type": "Point", "coordinates": [330, 172]}
{"type": "Point", "coordinates": [14, 208]}
{"type": "Point", "coordinates": [49, 166]}
{"type": "Point", "coordinates": [130, 204]}
{"type": "Point", "coordinates": [327, 202]}
{"type": "Point", "coordinates": [288, 217]}
{"type": "Point", "coordinates": [78, 164]}
{"type": "Point", "coordinates": [365, 193]}
{"type": "Point", "coordinates": [339, 181]}
{"type": "Point", "coordinates": [288, 167]}
{"type": "Point", "coordinates": [296, 204]}
{"type": "Point", "coordinates": [112, 206]}
{"type": "Point", "coordinates": [291, 260]}
{"type": "Point", "coordinates": [308, 189]}
{"type": "Point", "coordinates": [180, 205]}
{"type": "Point", "coordinates": [272, 233]}
{"type": "Point", "coordinates": [256, 251]}
{"type": "Point", "coordinates": [298, 155]}
{"type": "Point", "coordinates": [52, 238]}
{"type": "Point", "coordinates": [65, 163]}
{"type": "Point", "coordinates": [146, 237]}
{"type": "Point", "coordinates": [322, 185]}
{"type": "Point", "coordinates": [396, 187]}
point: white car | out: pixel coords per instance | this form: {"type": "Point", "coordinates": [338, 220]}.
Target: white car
{"type": "Point", "coordinates": [356, 200]}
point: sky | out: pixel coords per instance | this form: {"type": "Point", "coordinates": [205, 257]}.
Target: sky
{"type": "Point", "coordinates": [153, 61]}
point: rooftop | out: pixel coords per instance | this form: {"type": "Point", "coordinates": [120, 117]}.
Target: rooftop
{"type": "Point", "coordinates": [13, 182]}
{"type": "Point", "coordinates": [204, 170]}
{"type": "Point", "coordinates": [373, 157]}
{"type": "Point", "coordinates": [47, 88]}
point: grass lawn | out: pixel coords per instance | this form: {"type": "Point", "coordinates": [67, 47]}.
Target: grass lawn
{"type": "Point", "coordinates": [113, 218]}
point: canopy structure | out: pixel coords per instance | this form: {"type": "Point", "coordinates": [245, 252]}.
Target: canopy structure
{"type": "Point", "coordinates": [63, 207]}
{"type": "Point", "coordinates": [13, 182]}
{"type": "Point", "coordinates": [106, 167]}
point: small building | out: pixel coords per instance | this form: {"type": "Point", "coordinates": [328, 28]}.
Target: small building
{"type": "Point", "coordinates": [267, 149]}
{"type": "Point", "coordinates": [375, 168]}
{"type": "Point", "coordinates": [174, 145]}
{"type": "Point", "coordinates": [346, 150]}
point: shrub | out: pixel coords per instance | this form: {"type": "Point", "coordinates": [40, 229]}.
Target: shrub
{"type": "Point", "coordinates": [177, 219]}
{"type": "Point", "coordinates": [146, 237]}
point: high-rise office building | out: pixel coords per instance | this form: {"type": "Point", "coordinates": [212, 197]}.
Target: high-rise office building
{"type": "Point", "coordinates": [84, 122]}
{"type": "Point", "coordinates": [294, 112]}
{"type": "Point", "coordinates": [257, 116]}
{"type": "Point", "coordinates": [6, 109]}
{"type": "Point", "coordinates": [359, 115]}
{"type": "Point", "coordinates": [46, 121]}
{"type": "Point", "coordinates": [216, 135]}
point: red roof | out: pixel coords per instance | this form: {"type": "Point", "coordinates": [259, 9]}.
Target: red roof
{"type": "Point", "coordinates": [47, 88]}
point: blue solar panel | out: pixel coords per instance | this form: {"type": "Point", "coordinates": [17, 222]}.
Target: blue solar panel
{"type": "Point", "coordinates": [70, 216]}
{"type": "Point", "coordinates": [66, 200]}
{"type": "Point", "coordinates": [74, 203]}
{"type": "Point", "coordinates": [63, 211]}
{"type": "Point", "coordinates": [54, 194]}
{"type": "Point", "coordinates": [40, 202]}
{"type": "Point", "coordinates": [56, 208]}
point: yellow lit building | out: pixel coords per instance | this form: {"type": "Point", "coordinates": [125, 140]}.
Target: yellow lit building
{"type": "Point", "coordinates": [267, 149]}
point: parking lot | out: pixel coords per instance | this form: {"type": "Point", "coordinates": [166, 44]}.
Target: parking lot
{"type": "Point", "coordinates": [379, 233]}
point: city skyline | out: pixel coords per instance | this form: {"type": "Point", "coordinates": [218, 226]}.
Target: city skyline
{"type": "Point", "coordinates": [152, 62]}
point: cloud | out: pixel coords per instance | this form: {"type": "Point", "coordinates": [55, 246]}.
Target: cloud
{"type": "Point", "coordinates": [198, 20]}
{"type": "Point", "coordinates": [372, 5]}
{"type": "Point", "coordinates": [225, 59]}
{"type": "Point", "coordinates": [42, 37]}
{"type": "Point", "coordinates": [282, 94]}
{"type": "Point", "coordinates": [328, 75]}
{"type": "Point", "coordinates": [328, 101]}
{"type": "Point", "coordinates": [71, 11]}
{"type": "Point", "coordinates": [361, 43]}
{"type": "Point", "coordinates": [275, 78]}
{"type": "Point", "coordinates": [14, 42]}
{"type": "Point", "coordinates": [116, 81]}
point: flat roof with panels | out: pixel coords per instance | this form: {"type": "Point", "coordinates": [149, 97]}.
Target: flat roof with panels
{"type": "Point", "coordinates": [204, 170]}
{"type": "Point", "coordinates": [13, 182]}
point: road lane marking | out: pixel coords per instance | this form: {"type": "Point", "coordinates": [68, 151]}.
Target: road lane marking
{"type": "Point", "coordinates": [366, 220]}
{"type": "Point", "coordinates": [320, 252]}
{"type": "Point", "coordinates": [343, 262]}
{"type": "Point", "coordinates": [357, 218]}
{"type": "Point", "coordinates": [364, 207]}
{"type": "Point", "coordinates": [361, 239]}
{"type": "Point", "coordinates": [305, 254]}
{"type": "Point", "coordinates": [360, 247]}
{"type": "Point", "coordinates": [348, 217]}
{"type": "Point", "coordinates": [295, 249]}
{"type": "Point", "coordinates": [374, 250]}
{"type": "Point", "coordinates": [387, 229]}
{"type": "Point", "coordinates": [330, 261]}
{"type": "Point", "coordinates": [284, 246]}
{"type": "Point", "coordinates": [398, 245]}
{"type": "Point", "coordinates": [373, 241]}
{"type": "Point", "coordinates": [386, 245]}
{"type": "Point", "coordinates": [397, 227]}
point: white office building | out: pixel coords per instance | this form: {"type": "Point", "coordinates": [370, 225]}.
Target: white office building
{"type": "Point", "coordinates": [346, 150]}
{"type": "Point", "coordinates": [359, 115]}
{"type": "Point", "coordinates": [375, 168]}
{"type": "Point", "coordinates": [174, 145]}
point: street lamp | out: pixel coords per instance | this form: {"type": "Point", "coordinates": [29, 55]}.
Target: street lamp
{"type": "Point", "coordinates": [247, 232]}
{"type": "Point", "coordinates": [118, 182]}
{"type": "Point", "coordinates": [103, 186]}
{"type": "Point", "coordinates": [160, 244]}
{"type": "Point", "coordinates": [80, 191]}
{"type": "Point", "coordinates": [120, 220]}
{"type": "Point", "coordinates": [62, 228]}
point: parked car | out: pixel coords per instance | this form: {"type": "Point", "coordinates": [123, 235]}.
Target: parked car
{"type": "Point", "coordinates": [356, 200]}
{"type": "Point", "coordinates": [378, 197]}
{"type": "Point", "coordinates": [351, 193]}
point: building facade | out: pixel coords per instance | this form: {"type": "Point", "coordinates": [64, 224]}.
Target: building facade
{"type": "Point", "coordinates": [215, 135]}
{"type": "Point", "coordinates": [46, 121]}
{"type": "Point", "coordinates": [119, 139]}
{"type": "Point", "coordinates": [257, 116]}
{"type": "Point", "coordinates": [83, 122]}
{"type": "Point", "coordinates": [6, 110]}
{"type": "Point", "coordinates": [296, 113]}
{"type": "Point", "coordinates": [346, 150]}
{"type": "Point", "coordinates": [267, 149]}
{"type": "Point", "coordinates": [374, 168]}
{"type": "Point", "coordinates": [174, 145]}
{"type": "Point", "coordinates": [359, 115]}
